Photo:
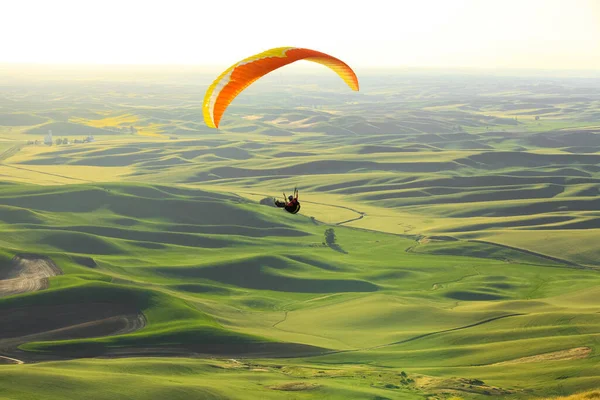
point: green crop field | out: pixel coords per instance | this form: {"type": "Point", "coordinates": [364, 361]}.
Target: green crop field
{"type": "Point", "coordinates": [447, 245]}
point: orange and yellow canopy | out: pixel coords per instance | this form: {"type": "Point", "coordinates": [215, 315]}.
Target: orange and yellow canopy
{"type": "Point", "coordinates": [242, 74]}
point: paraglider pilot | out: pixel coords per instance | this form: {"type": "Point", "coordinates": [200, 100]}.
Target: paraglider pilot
{"type": "Point", "coordinates": [291, 205]}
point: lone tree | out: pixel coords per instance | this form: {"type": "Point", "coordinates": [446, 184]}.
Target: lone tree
{"type": "Point", "coordinates": [330, 236]}
{"type": "Point", "coordinates": [330, 241]}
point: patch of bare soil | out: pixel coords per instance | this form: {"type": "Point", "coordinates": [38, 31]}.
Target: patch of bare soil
{"type": "Point", "coordinates": [295, 386]}
{"type": "Point", "coordinates": [562, 355]}
{"type": "Point", "coordinates": [26, 273]}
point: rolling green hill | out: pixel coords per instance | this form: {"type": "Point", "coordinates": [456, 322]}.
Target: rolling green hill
{"type": "Point", "coordinates": [145, 273]}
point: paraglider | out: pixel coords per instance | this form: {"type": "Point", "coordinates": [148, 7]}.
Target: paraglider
{"type": "Point", "coordinates": [243, 73]}
{"type": "Point", "coordinates": [291, 205]}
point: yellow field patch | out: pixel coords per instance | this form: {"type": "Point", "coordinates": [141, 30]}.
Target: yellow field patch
{"type": "Point", "coordinates": [570, 354]}
{"type": "Point", "coordinates": [27, 153]}
{"type": "Point", "coordinates": [151, 130]}
{"type": "Point", "coordinates": [114, 121]}
{"type": "Point", "coordinates": [577, 245]}
{"type": "Point", "coordinates": [61, 174]}
{"type": "Point", "coordinates": [593, 395]}
{"type": "Point", "coordinates": [151, 134]}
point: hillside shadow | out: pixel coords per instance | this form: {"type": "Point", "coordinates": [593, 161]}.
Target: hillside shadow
{"type": "Point", "coordinates": [258, 273]}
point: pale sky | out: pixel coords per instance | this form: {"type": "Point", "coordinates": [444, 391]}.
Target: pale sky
{"type": "Point", "coordinates": [548, 34]}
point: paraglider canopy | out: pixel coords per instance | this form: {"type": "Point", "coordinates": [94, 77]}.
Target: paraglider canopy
{"type": "Point", "coordinates": [243, 73]}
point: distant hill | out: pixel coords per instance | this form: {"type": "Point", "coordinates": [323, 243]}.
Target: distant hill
{"type": "Point", "coordinates": [20, 119]}
{"type": "Point", "coordinates": [68, 129]}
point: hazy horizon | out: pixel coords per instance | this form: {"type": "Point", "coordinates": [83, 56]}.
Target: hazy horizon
{"type": "Point", "coordinates": [508, 34]}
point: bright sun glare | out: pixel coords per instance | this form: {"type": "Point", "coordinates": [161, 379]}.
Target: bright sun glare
{"type": "Point", "coordinates": [548, 34]}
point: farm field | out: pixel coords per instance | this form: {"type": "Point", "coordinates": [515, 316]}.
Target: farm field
{"type": "Point", "coordinates": [447, 244]}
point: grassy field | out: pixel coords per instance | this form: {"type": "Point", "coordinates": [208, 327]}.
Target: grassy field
{"type": "Point", "coordinates": [463, 263]}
